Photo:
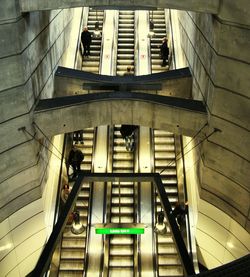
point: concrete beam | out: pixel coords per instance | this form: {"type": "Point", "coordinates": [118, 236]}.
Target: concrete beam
{"type": "Point", "coordinates": [207, 6]}
{"type": "Point", "coordinates": [67, 114]}
{"type": "Point", "coordinates": [177, 83]}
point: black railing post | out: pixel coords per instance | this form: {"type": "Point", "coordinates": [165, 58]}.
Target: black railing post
{"type": "Point", "coordinates": [179, 242]}
{"type": "Point", "coordinates": [45, 258]}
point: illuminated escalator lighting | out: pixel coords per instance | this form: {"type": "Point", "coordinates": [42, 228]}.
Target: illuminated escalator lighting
{"type": "Point", "coordinates": [119, 231]}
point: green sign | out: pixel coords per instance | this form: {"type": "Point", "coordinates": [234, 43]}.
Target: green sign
{"type": "Point", "coordinates": [119, 231]}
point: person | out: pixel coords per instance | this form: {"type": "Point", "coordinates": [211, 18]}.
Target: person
{"type": "Point", "coordinates": [127, 132]}
{"type": "Point", "coordinates": [164, 51]}
{"type": "Point", "coordinates": [78, 136]}
{"type": "Point", "coordinates": [128, 72]}
{"type": "Point", "coordinates": [179, 212]}
{"type": "Point", "coordinates": [65, 192]}
{"type": "Point", "coordinates": [75, 159]}
{"type": "Point", "coordinates": [76, 217]}
{"type": "Point", "coordinates": [86, 41]}
{"type": "Point", "coordinates": [160, 226]}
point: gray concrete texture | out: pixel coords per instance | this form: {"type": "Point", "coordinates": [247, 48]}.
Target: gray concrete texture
{"type": "Point", "coordinates": [196, 5]}
{"type": "Point", "coordinates": [177, 87]}
{"type": "Point", "coordinates": [111, 112]}
{"type": "Point", "coordinates": [222, 8]}
{"type": "Point", "coordinates": [10, 11]}
{"type": "Point", "coordinates": [31, 47]}
{"type": "Point", "coordinates": [224, 187]}
{"type": "Point", "coordinates": [16, 188]}
{"type": "Point", "coordinates": [17, 69]}
{"type": "Point", "coordinates": [218, 54]}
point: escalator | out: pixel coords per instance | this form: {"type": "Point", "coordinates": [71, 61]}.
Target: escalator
{"type": "Point", "coordinates": [158, 18]}
{"type": "Point", "coordinates": [73, 247]}
{"type": "Point", "coordinates": [168, 262]}
{"type": "Point", "coordinates": [125, 47]}
{"type": "Point", "coordinates": [122, 256]}
{"type": "Point", "coordinates": [92, 62]}
{"type": "Point", "coordinates": [121, 249]}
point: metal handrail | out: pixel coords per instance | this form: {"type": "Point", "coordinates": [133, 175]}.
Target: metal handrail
{"type": "Point", "coordinates": [238, 268]}
{"type": "Point", "coordinates": [45, 258]}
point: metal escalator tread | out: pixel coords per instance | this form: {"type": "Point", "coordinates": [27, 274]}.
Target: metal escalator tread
{"type": "Point", "coordinates": [164, 153]}
{"type": "Point", "coordinates": [72, 257]}
{"type": "Point", "coordinates": [121, 253]}
{"type": "Point", "coordinates": [91, 64]}
{"type": "Point", "coordinates": [125, 45]}
{"type": "Point", "coordinates": [126, 272]}
{"type": "Point", "coordinates": [70, 273]}
{"type": "Point", "coordinates": [170, 271]}
{"type": "Point", "coordinates": [156, 40]}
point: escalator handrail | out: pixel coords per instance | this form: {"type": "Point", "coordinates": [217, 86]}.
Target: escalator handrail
{"type": "Point", "coordinates": [177, 237]}
{"type": "Point", "coordinates": [45, 257]}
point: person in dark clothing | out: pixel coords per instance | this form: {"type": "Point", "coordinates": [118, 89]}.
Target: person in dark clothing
{"type": "Point", "coordinates": [128, 72]}
{"type": "Point", "coordinates": [86, 39]}
{"type": "Point", "coordinates": [75, 159]}
{"type": "Point", "coordinates": [160, 226]}
{"type": "Point", "coordinates": [127, 132]}
{"type": "Point", "coordinates": [164, 51]}
{"type": "Point", "coordinates": [76, 217]}
{"type": "Point", "coordinates": [160, 217]}
{"type": "Point", "coordinates": [180, 210]}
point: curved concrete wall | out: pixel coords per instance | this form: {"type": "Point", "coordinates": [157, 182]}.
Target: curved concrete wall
{"type": "Point", "coordinates": [225, 153]}
{"type": "Point", "coordinates": [218, 56]}
{"type": "Point", "coordinates": [219, 238]}
{"type": "Point", "coordinates": [31, 47]}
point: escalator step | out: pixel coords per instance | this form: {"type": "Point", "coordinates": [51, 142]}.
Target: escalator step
{"type": "Point", "coordinates": [169, 260]}
{"type": "Point", "coordinates": [171, 271]}
{"type": "Point", "coordinates": [70, 273]}
{"type": "Point", "coordinates": [121, 272]}
{"type": "Point", "coordinates": [121, 261]}
{"type": "Point", "coordinates": [72, 265]}
{"type": "Point", "coordinates": [166, 249]}
{"type": "Point", "coordinates": [72, 253]}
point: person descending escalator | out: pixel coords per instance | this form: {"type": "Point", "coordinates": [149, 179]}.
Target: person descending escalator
{"type": "Point", "coordinates": [78, 136]}
{"type": "Point", "coordinates": [180, 211]}
{"type": "Point", "coordinates": [75, 159]}
{"type": "Point", "coordinates": [127, 132]}
{"type": "Point", "coordinates": [164, 51]}
{"type": "Point", "coordinates": [128, 72]}
{"type": "Point", "coordinates": [86, 39]}
{"type": "Point", "coordinates": [65, 192]}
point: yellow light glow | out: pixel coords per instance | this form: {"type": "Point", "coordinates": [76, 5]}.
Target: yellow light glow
{"type": "Point", "coordinates": [5, 247]}
{"type": "Point", "coordinates": [230, 245]}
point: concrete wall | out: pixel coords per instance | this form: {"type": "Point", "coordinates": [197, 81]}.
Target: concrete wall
{"type": "Point", "coordinates": [219, 238]}
{"type": "Point", "coordinates": [218, 55]}
{"type": "Point", "coordinates": [31, 47]}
